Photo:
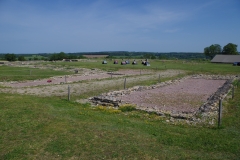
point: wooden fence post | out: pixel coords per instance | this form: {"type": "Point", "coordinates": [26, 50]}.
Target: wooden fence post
{"type": "Point", "coordinates": [232, 92]}
{"type": "Point", "coordinates": [68, 93]}
{"type": "Point", "coordinates": [125, 83]}
{"type": "Point", "coordinates": [220, 113]}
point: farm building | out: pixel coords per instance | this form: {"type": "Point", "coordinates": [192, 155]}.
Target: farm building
{"type": "Point", "coordinates": [226, 59]}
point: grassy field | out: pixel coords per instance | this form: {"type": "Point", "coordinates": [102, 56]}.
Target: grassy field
{"type": "Point", "coordinates": [191, 66]}
{"type": "Point", "coordinates": [9, 73]}
{"type": "Point", "coordinates": [54, 128]}
{"type": "Point", "coordinates": [50, 128]}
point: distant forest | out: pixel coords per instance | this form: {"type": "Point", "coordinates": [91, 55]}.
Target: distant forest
{"type": "Point", "coordinates": [113, 54]}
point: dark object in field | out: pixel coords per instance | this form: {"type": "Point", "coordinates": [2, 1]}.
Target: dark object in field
{"type": "Point", "coordinates": [115, 62]}
{"type": "Point", "coordinates": [49, 80]}
{"type": "Point", "coordinates": [134, 62]}
{"type": "Point", "coordinates": [146, 63]}
{"type": "Point", "coordinates": [236, 64]}
{"type": "Point", "coordinates": [76, 71]}
{"type": "Point", "coordinates": [123, 63]}
{"type": "Point", "coordinates": [104, 62]}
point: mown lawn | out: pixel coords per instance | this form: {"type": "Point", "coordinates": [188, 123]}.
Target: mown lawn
{"type": "Point", "coordinates": [53, 128]}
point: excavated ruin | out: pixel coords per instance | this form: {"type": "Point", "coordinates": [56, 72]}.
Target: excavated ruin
{"type": "Point", "coordinates": [202, 112]}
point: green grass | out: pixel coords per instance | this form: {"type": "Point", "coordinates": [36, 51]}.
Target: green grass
{"type": "Point", "coordinates": [53, 128]}
{"type": "Point", "coordinates": [191, 66]}
{"type": "Point", "coordinates": [8, 73]}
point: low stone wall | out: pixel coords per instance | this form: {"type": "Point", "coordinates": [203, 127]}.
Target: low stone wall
{"type": "Point", "coordinates": [109, 99]}
{"type": "Point", "coordinates": [206, 112]}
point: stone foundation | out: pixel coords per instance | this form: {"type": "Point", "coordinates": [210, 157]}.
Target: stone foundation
{"type": "Point", "coordinates": [206, 113]}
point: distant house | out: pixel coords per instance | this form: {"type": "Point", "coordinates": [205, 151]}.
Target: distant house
{"type": "Point", "coordinates": [226, 59]}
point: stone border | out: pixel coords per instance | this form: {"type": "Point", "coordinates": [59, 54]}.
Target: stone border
{"type": "Point", "coordinates": [206, 112]}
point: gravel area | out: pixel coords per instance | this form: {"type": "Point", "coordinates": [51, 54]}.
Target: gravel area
{"type": "Point", "coordinates": [185, 96]}
{"type": "Point", "coordinates": [77, 78]}
{"type": "Point", "coordinates": [43, 89]}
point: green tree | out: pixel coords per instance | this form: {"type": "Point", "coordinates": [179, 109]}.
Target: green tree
{"type": "Point", "coordinates": [53, 57]}
{"type": "Point", "coordinates": [59, 56]}
{"type": "Point", "coordinates": [10, 57]}
{"type": "Point", "coordinates": [21, 58]}
{"type": "Point", "coordinates": [62, 56]}
{"type": "Point", "coordinates": [149, 56]}
{"type": "Point", "coordinates": [153, 56]}
{"type": "Point", "coordinates": [162, 56]}
{"type": "Point", "coordinates": [230, 49]}
{"type": "Point", "coordinates": [212, 50]}
{"type": "Point", "coordinates": [71, 56]}
{"type": "Point", "coordinates": [81, 57]}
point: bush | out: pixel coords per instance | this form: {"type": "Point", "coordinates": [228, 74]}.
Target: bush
{"type": "Point", "coordinates": [10, 57]}
{"type": "Point", "coordinates": [21, 58]}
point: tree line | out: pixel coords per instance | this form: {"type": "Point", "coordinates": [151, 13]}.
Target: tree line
{"type": "Point", "coordinates": [209, 52]}
{"type": "Point", "coordinates": [116, 55]}
{"type": "Point", "coordinates": [214, 49]}
{"type": "Point", "coordinates": [51, 57]}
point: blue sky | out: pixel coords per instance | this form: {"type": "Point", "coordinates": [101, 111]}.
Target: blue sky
{"type": "Point", "coordinates": [48, 26]}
